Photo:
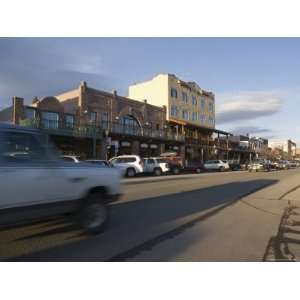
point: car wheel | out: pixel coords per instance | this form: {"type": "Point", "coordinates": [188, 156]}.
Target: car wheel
{"type": "Point", "coordinates": [221, 169]}
{"type": "Point", "coordinates": [130, 172]}
{"type": "Point", "coordinates": [157, 171]}
{"type": "Point", "coordinates": [176, 171]}
{"type": "Point", "coordinates": [93, 215]}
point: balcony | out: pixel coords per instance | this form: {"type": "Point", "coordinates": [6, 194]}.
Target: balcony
{"type": "Point", "coordinates": [138, 131]}
{"type": "Point", "coordinates": [64, 128]}
{"type": "Point", "coordinates": [105, 128]}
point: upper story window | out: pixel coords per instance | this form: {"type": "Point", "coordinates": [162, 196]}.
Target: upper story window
{"type": "Point", "coordinates": [194, 100]}
{"type": "Point", "coordinates": [202, 119]}
{"type": "Point", "coordinates": [70, 121]}
{"type": "Point", "coordinates": [104, 117]}
{"type": "Point", "coordinates": [93, 116]}
{"type": "Point", "coordinates": [30, 113]}
{"type": "Point", "coordinates": [184, 97]}
{"type": "Point", "coordinates": [210, 107]}
{"type": "Point", "coordinates": [211, 121]}
{"type": "Point", "coordinates": [202, 104]}
{"type": "Point", "coordinates": [173, 93]}
{"type": "Point", "coordinates": [185, 115]}
{"type": "Point", "coordinates": [50, 119]}
{"type": "Point", "coordinates": [194, 116]}
{"type": "Point", "coordinates": [174, 111]}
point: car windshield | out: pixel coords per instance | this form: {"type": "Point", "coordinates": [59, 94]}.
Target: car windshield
{"type": "Point", "coordinates": [23, 146]}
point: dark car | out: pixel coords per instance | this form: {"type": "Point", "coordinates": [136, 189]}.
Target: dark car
{"type": "Point", "coordinates": [194, 167]}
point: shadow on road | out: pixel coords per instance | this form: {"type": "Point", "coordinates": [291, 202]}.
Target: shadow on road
{"type": "Point", "coordinates": [141, 224]}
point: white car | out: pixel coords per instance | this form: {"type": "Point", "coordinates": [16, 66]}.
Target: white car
{"type": "Point", "coordinates": [130, 165]}
{"type": "Point", "coordinates": [36, 184]}
{"type": "Point", "coordinates": [156, 165]}
{"type": "Point", "coordinates": [216, 165]}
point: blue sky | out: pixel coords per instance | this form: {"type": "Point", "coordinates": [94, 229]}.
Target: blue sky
{"type": "Point", "coordinates": [256, 81]}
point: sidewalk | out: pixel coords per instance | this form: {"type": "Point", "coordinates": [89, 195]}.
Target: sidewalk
{"type": "Point", "coordinates": [285, 245]}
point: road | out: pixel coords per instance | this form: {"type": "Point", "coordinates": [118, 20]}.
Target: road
{"type": "Point", "coordinates": [201, 217]}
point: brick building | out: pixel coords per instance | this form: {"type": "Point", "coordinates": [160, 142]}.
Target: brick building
{"type": "Point", "coordinates": [94, 123]}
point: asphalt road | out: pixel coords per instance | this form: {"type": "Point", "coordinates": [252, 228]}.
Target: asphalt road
{"type": "Point", "coordinates": [202, 217]}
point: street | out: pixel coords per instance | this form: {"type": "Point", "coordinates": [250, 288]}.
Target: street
{"type": "Point", "coordinates": [231, 216]}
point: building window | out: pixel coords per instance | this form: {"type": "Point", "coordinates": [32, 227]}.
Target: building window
{"type": "Point", "coordinates": [30, 113]}
{"type": "Point", "coordinates": [194, 100]}
{"type": "Point", "coordinates": [174, 111]}
{"type": "Point", "coordinates": [157, 126]}
{"type": "Point", "coordinates": [50, 120]}
{"type": "Point", "coordinates": [194, 116]}
{"type": "Point", "coordinates": [184, 97]}
{"type": "Point", "coordinates": [93, 117]}
{"type": "Point", "coordinates": [70, 121]}
{"type": "Point", "coordinates": [130, 124]}
{"type": "Point", "coordinates": [210, 107]}
{"type": "Point", "coordinates": [185, 115]}
{"type": "Point", "coordinates": [202, 119]}
{"type": "Point", "coordinates": [173, 92]}
{"type": "Point", "coordinates": [203, 104]}
{"type": "Point", "coordinates": [104, 117]}
{"type": "Point", "coordinates": [211, 121]}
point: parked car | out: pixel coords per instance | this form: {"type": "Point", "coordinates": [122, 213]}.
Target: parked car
{"type": "Point", "coordinates": [234, 165]}
{"type": "Point", "coordinates": [156, 166]}
{"type": "Point", "coordinates": [37, 184]}
{"type": "Point", "coordinates": [258, 165]}
{"type": "Point", "coordinates": [283, 165]}
{"type": "Point", "coordinates": [99, 162]}
{"type": "Point", "coordinates": [130, 165]}
{"type": "Point", "coordinates": [194, 167]}
{"type": "Point", "coordinates": [71, 158]}
{"type": "Point", "coordinates": [175, 162]}
{"type": "Point", "coordinates": [216, 165]}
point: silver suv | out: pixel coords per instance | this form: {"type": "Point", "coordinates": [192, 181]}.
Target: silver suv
{"type": "Point", "coordinates": [156, 166]}
{"type": "Point", "coordinates": [130, 165]}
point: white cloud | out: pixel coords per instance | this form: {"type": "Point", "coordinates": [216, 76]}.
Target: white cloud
{"type": "Point", "coordinates": [248, 106]}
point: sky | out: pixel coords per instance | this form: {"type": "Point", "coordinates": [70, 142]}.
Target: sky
{"type": "Point", "coordinates": [255, 80]}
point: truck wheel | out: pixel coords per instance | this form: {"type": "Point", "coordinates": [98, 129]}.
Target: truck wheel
{"type": "Point", "coordinates": [222, 169]}
{"type": "Point", "coordinates": [176, 171]}
{"type": "Point", "coordinates": [130, 172]}
{"type": "Point", "coordinates": [93, 215]}
{"type": "Point", "coordinates": [157, 171]}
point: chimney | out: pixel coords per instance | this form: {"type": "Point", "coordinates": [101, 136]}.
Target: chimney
{"type": "Point", "coordinates": [83, 84]}
{"type": "Point", "coordinates": [18, 109]}
{"type": "Point", "coordinates": [145, 101]}
{"type": "Point", "coordinates": [35, 100]}
{"type": "Point", "coordinates": [114, 92]}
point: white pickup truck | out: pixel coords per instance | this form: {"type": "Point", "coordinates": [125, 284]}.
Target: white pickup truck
{"type": "Point", "coordinates": [36, 184]}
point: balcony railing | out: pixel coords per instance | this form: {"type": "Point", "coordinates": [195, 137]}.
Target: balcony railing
{"type": "Point", "coordinates": [118, 128]}
{"type": "Point", "coordinates": [94, 131]}
{"type": "Point", "coordinates": [64, 128]}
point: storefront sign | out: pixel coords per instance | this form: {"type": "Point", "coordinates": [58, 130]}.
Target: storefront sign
{"type": "Point", "coordinates": [125, 144]}
{"type": "Point", "coordinates": [175, 148]}
{"type": "Point", "coordinates": [144, 146]}
{"type": "Point", "coordinates": [152, 146]}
